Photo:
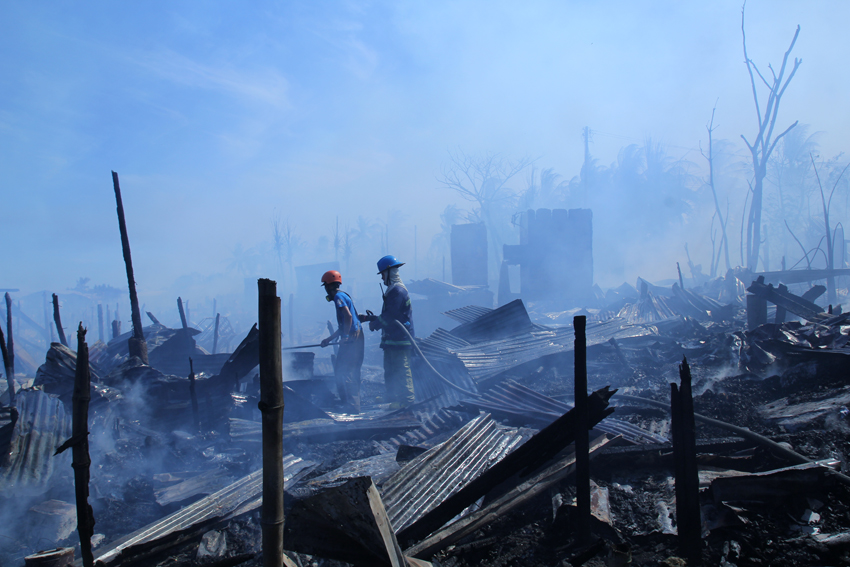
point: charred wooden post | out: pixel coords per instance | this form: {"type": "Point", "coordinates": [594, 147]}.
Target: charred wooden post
{"type": "Point", "coordinates": [271, 407]}
{"type": "Point", "coordinates": [756, 307]}
{"type": "Point", "coordinates": [47, 326]}
{"type": "Point", "coordinates": [182, 313]}
{"type": "Point", "coordinates": [582, 426]}
{"type": "Point", "coordinates": [192, 394]}
{"type": "Point", "coordinates": [781, 312]}
{"type": "Point", "coordinates": [686, 473]}
{"type": "Point", "coordinates": [10, 373]}
{"type": "Point", "coordinates": [10, 341]}
{"type": "Point", "coordinates": [116, 328]}
{"type": "Point", "coordinates": [58, 320]}
{"type": "Point", "coordinates": [681, 279]}
{"type": "Point", "coordinates": [80, 449]}
{"type": "Point", "coordinates": [291, 319]}
{"type": "Point", "coordinates": [100, 334]}
{"type": "Point", "coordinates": [137, 344]}
{"type": "Point", "coordinates": [215, 333]}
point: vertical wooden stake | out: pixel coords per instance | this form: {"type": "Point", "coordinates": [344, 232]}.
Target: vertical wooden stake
{"type": "Point", "coordinates": [10, 374]}
{"type": "Point", "coordinates": [100, 335]}
{"type": "Point", "coordinates": [182, 313]}
{"type": "Point", "coordinates": [271, 407]}
{"type": "Point", "coordinates": [81, 458]}
{"type": "Point", "coordinates": [10, 342]}
{"type": "Point", "coordinates": [195, 414]}
{"type": "Point", "coordinates": [137, 344]}
{"type": "Point", "coordinates": [688, 519]}
{"type": "Point", "coordinates": [58, 320]}
{"type": "Point", "coordinates": [291, 319]}
{"type": "Point", "coordinates": [116, 329]}
{"type": "Point", "coordinates": [582, 442]}
{"type": "Point", "coordinates": [215, 333]}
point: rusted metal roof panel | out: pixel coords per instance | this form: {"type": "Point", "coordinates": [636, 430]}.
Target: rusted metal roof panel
{"type": "Point", "coordinates": [41, 427]}
{"type": "Point", "coordinates": [442, 471]}
{"type": "Point", "coordinates": [488, 359]}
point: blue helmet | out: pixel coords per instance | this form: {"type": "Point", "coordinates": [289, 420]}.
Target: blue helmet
{"type": "Point", "coordinates": [388, 262]}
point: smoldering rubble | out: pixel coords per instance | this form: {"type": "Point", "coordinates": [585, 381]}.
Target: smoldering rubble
{"type": "Point", "coordinates": [481, 469]}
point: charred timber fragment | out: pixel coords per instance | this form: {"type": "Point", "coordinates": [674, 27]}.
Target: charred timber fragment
{"type": "Point", "coordinates": [10, 373]}
{"type": "Point", "coordinates": [760, 294]}
{"type": "Point", "coordinates": [58, 320]}
{"type": "Point", "coordinates": [513, 469]}
{"type": "Point", "coordinates": [195, 415]}
{"type": "Point", "coordinates": [582, 426]}
{"type": "Point", "coordinates": [80, 449]}
{"type": "Point", "coordinates": [685, 459]}
{"type": "Point", "coordinates": [183, 322]}
{"type": "Point", "coordinates": [347, 523]}
{"type": "Point", "coordinates": [116, 329]}
{"type": "Point", "coordinates": [138, 346]}
{"type": "Point", "coordinates": [271, 407]}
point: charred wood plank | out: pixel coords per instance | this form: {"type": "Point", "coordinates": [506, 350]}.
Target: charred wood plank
{"type": "Point", "coordinates": [80, 450]}
{"type": "Point", "coordinates": [785, 299]}
{"type": "Point", "coordinates": [58, 320]}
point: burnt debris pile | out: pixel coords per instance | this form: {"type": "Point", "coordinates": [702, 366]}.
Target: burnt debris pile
{"type": "Point", "coordinates": [740, 462]}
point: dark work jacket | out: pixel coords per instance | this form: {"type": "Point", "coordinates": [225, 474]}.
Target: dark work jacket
{"type": "Point", "coordinates": [396, 307]}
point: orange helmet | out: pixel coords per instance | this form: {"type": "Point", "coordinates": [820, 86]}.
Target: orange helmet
{"type": "Point", "coordinates": [331, 276]}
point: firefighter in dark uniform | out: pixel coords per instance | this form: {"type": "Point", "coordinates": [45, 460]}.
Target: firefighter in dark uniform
{"type": "Point", "coordinates": [395, 343]}
{"type": "Point", "coordinates": [349, 359]}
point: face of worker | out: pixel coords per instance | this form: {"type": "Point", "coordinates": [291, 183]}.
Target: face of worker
{"type": "Point", "coordinates": [385, 275]}
{"type": "Point", "coordinates": [330, 290]}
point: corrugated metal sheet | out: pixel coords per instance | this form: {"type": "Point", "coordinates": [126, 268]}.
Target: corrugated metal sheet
{"type": "Point", "coordinates": [508, 320]}
{"type": "Point", "coordinates": [442, 471]}
{"type": "Point", "coordinates": [435, 427]}
{"type": "Point", "coordinates": [510, 398]}
{"type": "Point", "coordinates": [242, 496]}
{"type": "Point", "coordinates": [42, 426]}
{"type": "Point", "coordinates": [485, 360]}
{"type": "Point", "coordinates": [467, 314]}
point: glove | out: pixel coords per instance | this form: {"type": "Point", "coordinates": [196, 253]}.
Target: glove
{"type": "Point", "coordinates": [326, 342]}
{"type": "Point", "coordinates": [374, 325]}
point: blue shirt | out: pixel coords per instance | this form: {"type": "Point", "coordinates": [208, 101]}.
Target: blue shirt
{"type": "Point", "coordinates": [341, 300]}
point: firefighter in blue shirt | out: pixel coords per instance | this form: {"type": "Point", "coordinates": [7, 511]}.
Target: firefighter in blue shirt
{"type": "Point", "coordinates": [396, 344]}
{"type": "Point", "coordinates": [349, 359]}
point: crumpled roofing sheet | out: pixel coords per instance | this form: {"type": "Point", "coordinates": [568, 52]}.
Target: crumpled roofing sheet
{"type": "Point", "coordinates": [42, 426]}
{"type": "Point", "coordinates": [440, 472]}
{"type": "Point", "coordinates": [488, 359]}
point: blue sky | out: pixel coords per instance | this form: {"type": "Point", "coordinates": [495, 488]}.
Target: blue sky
{"type": "Point", "coordinates": [219, 115]}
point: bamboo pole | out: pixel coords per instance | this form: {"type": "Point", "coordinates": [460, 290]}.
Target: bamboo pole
{"type": "Point", "coordinates": [582, 442]}
{"type": "Point", "coordinates": [137, 344]}
{"type": "Point", "coordinates": [80, 449]}
{"type": "Point", "coordinates": [271, 406]}
{"type": "Point", "coordinates": [58, 320]}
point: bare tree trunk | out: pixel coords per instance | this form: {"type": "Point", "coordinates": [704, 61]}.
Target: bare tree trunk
{"type": "Point", "coordinates": [80, 450]}
{"type": "Point", "coordinates": [271, 405]}
{"type": "Point", "coordinates": [724, 241]}
{"type": "Point", "coordinates": [137, 344]}
{"type": "Point", "coordinates": [58, 320]}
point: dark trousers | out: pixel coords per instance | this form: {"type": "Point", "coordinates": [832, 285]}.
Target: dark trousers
{"type": "Point", "coordinates": [349, 359]}
{"type": "Point", "coordinates": [398, 375]}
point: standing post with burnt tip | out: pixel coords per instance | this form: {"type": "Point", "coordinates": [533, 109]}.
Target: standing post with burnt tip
{"type": "Point", "coordinates": [271, 408]}
{"type": "Point", "coordinates": [215, 333]}
{"type": "Point", "coordinates": [183, 322]}
{"type": "Point", "coordinates": [137, 345]}
{"type": "Point", "coordinates": [10, 342]}
{"type": "Point", "coordinates": [100, 335]}
{"type": "Point", "coordinates": [116, 329]}
{"type": "Point", "coordinates": [10, 374]}
{"type": "Point", "coordinates": [80, 448]}
{"type": "Point", "coordinates": [683, 424]}
{"type": "Point", "coordinates": [58, 320]}
{"type": "Point", "coordinates": [194, 396]}
{"type": "Point", "coordinates": [582, 442]}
